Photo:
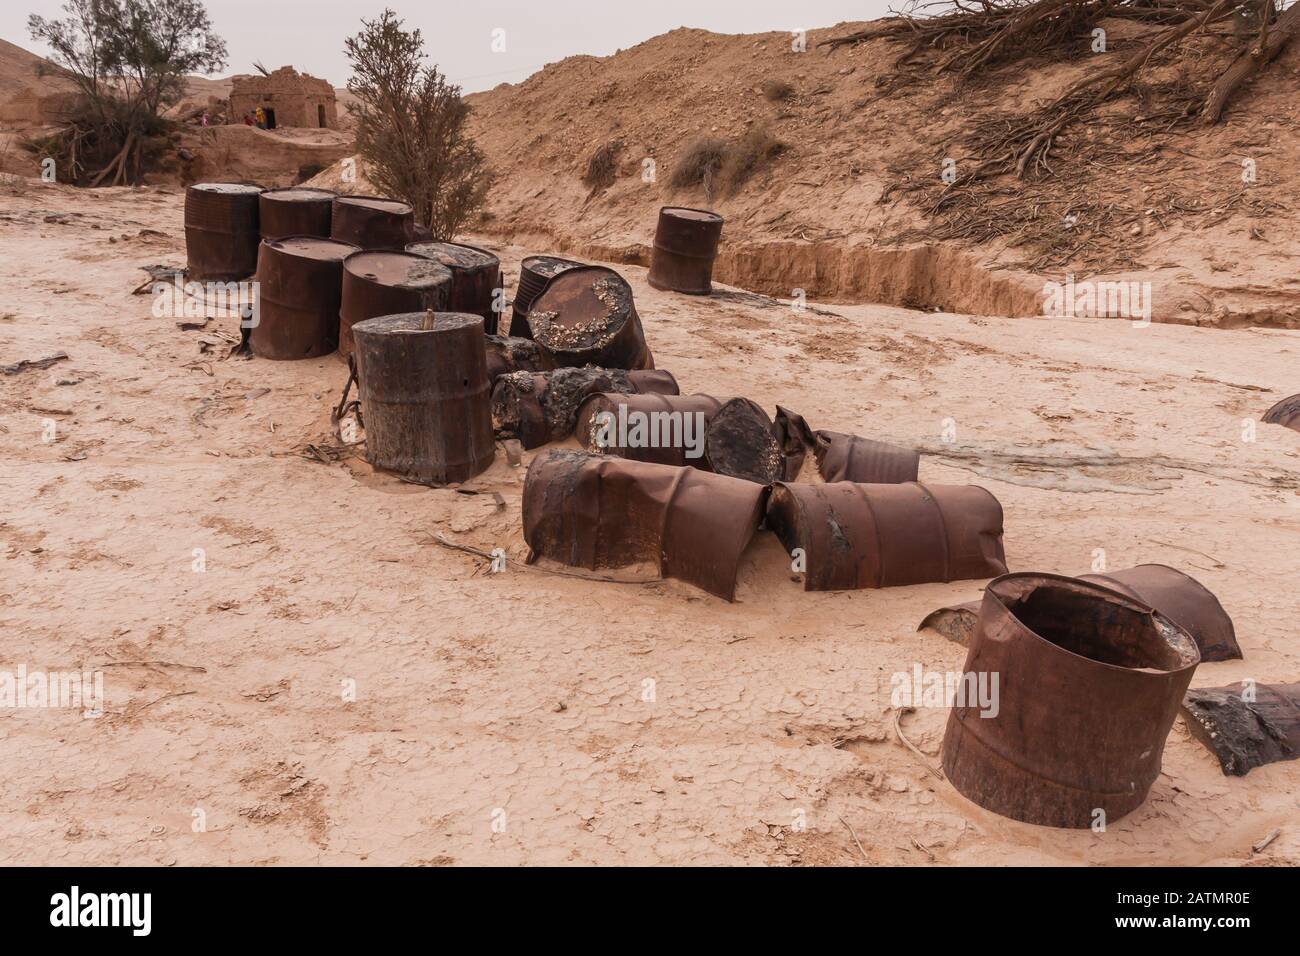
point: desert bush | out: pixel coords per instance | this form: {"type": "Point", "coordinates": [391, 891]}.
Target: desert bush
{"type": "Point", "coordinates": [699, 163]}
{"type": "Point", "coordinates": [747, 155]}
{"type": "Point", "coordinates": [411, 128]}
{"type": "Point", "coordinates": [777, 90]}
{"type": "Point", "coordinates": [602, 166]}
{"type": "Point", "coordinates": [722, 165]}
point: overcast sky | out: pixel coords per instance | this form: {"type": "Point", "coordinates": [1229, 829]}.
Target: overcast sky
{"type": "Point", "coordinates": [458, 33]}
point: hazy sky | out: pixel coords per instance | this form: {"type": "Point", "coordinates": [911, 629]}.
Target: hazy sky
{"type": "Point", "coordinates": [458, 33]}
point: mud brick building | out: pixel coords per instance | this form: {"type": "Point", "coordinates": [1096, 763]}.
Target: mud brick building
{"type": "Point", "coordinates": [288, 98]}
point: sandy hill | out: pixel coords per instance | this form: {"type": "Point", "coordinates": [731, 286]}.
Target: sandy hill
{"type": "Point", "coordinates": [836, 212]}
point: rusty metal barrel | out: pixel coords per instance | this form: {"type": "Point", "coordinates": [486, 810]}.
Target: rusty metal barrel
{"type": "Point", "coordinates": [1285, 413]}
{"type": "Point", "coordinates": [1088, 683]}
{"type": "Point", "coordinates": [295, 211]}
{"type": "Point", "coordinates": [879, 536]}
{"type": "Point", "coordinates": [585, 316]}
{"type": "Point", "coordinates": [300, 284]}
{"type": "Point", "coordinates": [541, 407]}
{"type": "Point", "coordinates": [686, 243]}
{"type": "Point", "coordinates": [424, 395]}
{"type": "Point", "coordinates": [221, 231]}
{"type": "Point", "coordinates": [372, 222]}
{"type": "Point", "coordinates": [475, 277]}
{"type": "Point", "coordinates": [534, 273]}
{"type": "Point", "coordinates": [663, 429]}
{"type": "Point", "coordinates": [388, 283]}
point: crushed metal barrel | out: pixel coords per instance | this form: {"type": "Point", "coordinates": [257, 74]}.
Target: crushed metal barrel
{"type": "Point", "coordinates": [1285, 413]}
{"type": "Point", "coordinates": [534, 273]}
{"type": "Point", "coordinates": [424, 395]}
{"type": "Point", "coordinates": [389, 283]}
{"type": "Point", "coordinates": [542, 407]}
{"type": "Point", "coordinates": [475, 277]}
{"type": "Point", "coordinates": [595, 511]}
{"type": "Point", "coordinates": [506, 354]}
{"type": "Point", "coordinates": [842, 457]}
{"type": "Point", "coordinates": [296, 211]}
{"type": "Point", "coordinates": [372, 222]}
{"type": "Point", "coordinates": [663, 429]}
{"type": "Point", "coordinates": [1245, 725]}
{"type": "Point", "coordinates": [1178, 596]}
{"type": "Point", "coordinates": [877, 536]}
{"type": "Point", "coordinates": [221, 231]}
{"type": "Point", "coordinates": [740, 443]}
{"type": "Point", "coordinates": [685, 245]}
{"type": "Point", "coordinates": [585, 316]}
{"type": "Point", "coordinates": [1089, 682]}
{"type": "Point", "coordinates": [300, 283]}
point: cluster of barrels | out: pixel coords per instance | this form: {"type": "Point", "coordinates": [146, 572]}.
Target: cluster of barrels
{"type": "Point", "coordinates": [357, 275]}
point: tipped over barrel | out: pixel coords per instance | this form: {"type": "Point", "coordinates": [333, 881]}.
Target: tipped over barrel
{"type": "Point", "coordinates": [1086, 684]}
{"type": "Point", "coordinates": [300, 280]}
{"type": "Point", "coordinates": [424, 395]}
{"type": "Point", "coordinates": [686, 243]}
{"type": "Point", "coordinates": [389, 283]}
{"type": "Point", "coordinates": [585, 316]}
{"type": "Point", "coordinates": [296, 211]}
{"type": "Point", "coordinates": [221, 231]}
{"type": "Point", "coordinates": [534, 273]}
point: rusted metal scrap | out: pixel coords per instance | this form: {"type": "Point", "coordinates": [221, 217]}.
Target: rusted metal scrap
{"type": "Point", "coordinates": [389, 283]}
{"type": "Point", "coordinates": [585, 316]}
{"type": "Point", "coordinates": [842, 457]}
{"type": "Point", "coordinates": [475, 277]}
{"type": "Point", "coordinates": [1245, 725]}
{"type": "Point", "coordinates": [596, 511]}
{"type": "Point", "coordinates": [1285, 413]}
{"type": "Point", "coordinates": [1089, 682]}
{"type": "Point", "coordinates": [740, 443]}
{"type": "Point", "coordinates": [877, 536]}
{"type": "Point", "coordinates": [1178, 596]}
{"type": "Point", "coordinates": [534, 273]}
{"type": "Point", "coordinates": [542, 407]}
{"type": "Point", "coordinates": [653, 427]}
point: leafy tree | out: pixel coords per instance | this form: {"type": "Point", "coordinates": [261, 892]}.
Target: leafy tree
{"type": "Point", "coordinates": [411, 127]}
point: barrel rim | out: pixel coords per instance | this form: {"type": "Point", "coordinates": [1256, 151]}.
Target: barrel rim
{"type": "Point", "coordinates": [300, 189]}
{"type": "Point", "coordinates": [366, 326]}
{"type": "Point", "coordinates": [342, 196]}
{"type": "Point", "coordinates": [255, 189]}
{"type": "Point", "coordinates": [271, 242]}
{"type": "Point", "coordinates": [716, 216]}
{"type": "Point", "coordinates": [1190, 661]}
{"type": "Point", "coordinates": [410, 246]}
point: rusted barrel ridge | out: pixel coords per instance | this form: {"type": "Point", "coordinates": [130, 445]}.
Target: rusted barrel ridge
{"type": "Point", "coordinates": [585, 316]}
{"type": "Point", "coordinates": [295, 211]}
{"type": "Point", "coordinates": [300, 285]}
{"type": "Point", "coordinates": [541, 407]}
{"type": "Point", "coordinates": [475, 277]}
{"type": "Point", "coordinates": [686, 243]}
{"type": "Point", "coordinates": [372, 222]}
{"type": "Point", "coordinates": [1178, 596]}
{"type": "Point", "coordinates": [879, 536]}
{"type": "Point", "coordinates": [534, 273]}
{"type": "Point", "coordinates": [593, 511]}
{"type": "Point", "coordinates": [1089, 683]}
{"type": "Point", "coordinates": [221, 231]}
{"type": "Point", "coordinates": [842, 457]}
{"type": "Point", "coordinates": [424, 395]}
{"type": "Point", "coordinates": [389, 283]}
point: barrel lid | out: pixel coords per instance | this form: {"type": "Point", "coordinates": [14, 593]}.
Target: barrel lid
{"type": "Point", "coordinates": [580, 308]}
{"type": "Point", "coordinates": [404, 322]}
{"type": "Point", "coordinates": [548, 266]}
{"type": "Point", "coordinates": [298, 194]}
{"type": "Point", "coordinates": [232, 189]}
{"type": "Point", "coordinates": [312, 247]}
{"type": "Point", "coordinates": [454, 254]}
{"type": "Point", "coordinates": [376, 202]}
{"type": "Point", "coordinates": [684, 212]}
{"type": "Point", "coordinates": [399, 269]}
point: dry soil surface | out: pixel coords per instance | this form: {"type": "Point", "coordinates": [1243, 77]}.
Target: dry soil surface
{"type": "Point", "coordinates": [525, 717]}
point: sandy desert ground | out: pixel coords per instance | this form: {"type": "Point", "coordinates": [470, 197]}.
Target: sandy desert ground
{"type": "Point", "coordinates": [504, 719]}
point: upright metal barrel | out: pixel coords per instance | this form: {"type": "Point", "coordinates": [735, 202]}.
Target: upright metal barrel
{"type": "Point", "coordinates": [388, 283]}
{"type": "Point", "coordinates": [585, 316]}
{"type": "Point", "coordinates": [475, 277]}
{"type": "Point", "coordinates": [686, 243]}
{"type": "Point", "coordinates": [1088, 683]}
{"type": "Point", "coordinates": [372, 222]}
{"type": "Point", "coordinates": [534, 273]}
{"type": "Point", "coordinates": [221, 231]}
{"type": "Point", "coordinates": [425, 395]}
{"type": "Point", "coordinates": [300, 283]}
{"type": "Point", "coordinates": [296, 211]}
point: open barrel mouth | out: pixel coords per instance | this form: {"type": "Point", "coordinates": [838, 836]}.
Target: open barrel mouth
{"type": "Point", "coordinates": [1096, 623]}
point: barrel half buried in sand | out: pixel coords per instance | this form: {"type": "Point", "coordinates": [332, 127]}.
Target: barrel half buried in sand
{"type": "Point", "coordinates": [389, 283]}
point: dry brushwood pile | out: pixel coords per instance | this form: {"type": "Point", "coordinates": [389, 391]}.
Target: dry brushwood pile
{"type": "Point", "coordinates": [1037, 175]}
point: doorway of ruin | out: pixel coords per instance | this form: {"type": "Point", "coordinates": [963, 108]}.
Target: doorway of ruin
{"type": "Point", "coordinates": [270, 117]}
{"type": "Point", "coordinates": [320, 116]}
